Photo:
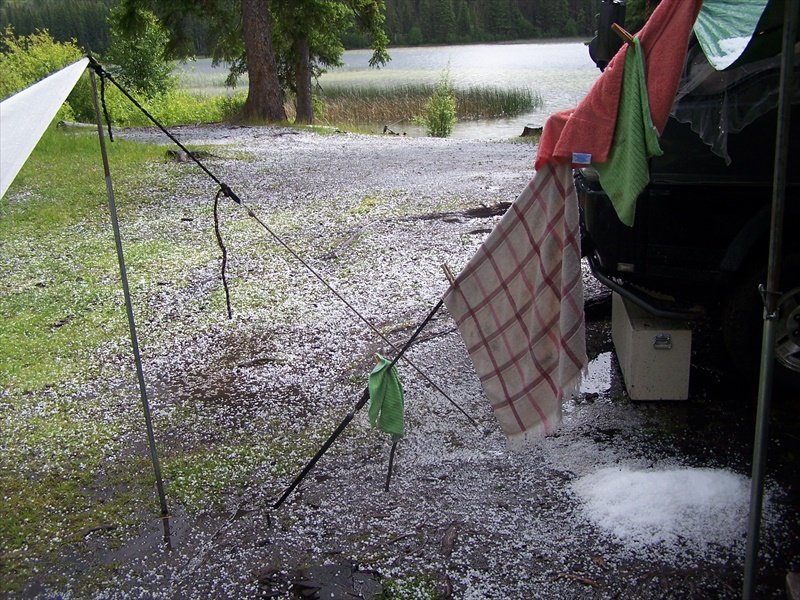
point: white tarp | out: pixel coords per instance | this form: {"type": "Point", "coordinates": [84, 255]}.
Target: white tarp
{"type": "Point", "coordinates": [25, 116]}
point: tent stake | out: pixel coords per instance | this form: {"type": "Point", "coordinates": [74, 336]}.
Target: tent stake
{"type": "Point", "coordinates": [771, 296]}
{"type": "Point", "coordinates": [131, 321]}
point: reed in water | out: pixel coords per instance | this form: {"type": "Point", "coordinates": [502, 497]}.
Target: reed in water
{"type": "Point", "coordinates": [398, 103]}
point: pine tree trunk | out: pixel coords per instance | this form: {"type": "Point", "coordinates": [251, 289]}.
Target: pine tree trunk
{"type": "Point", "coordinates": [264, 96]}
{"type": "Point", "coordinates": [305, 105]}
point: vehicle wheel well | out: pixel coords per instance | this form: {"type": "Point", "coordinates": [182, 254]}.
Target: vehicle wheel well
{"type": "Point", "coordinates": [749, 247]}
{"type": "Point", "coordinates": [742, 316]}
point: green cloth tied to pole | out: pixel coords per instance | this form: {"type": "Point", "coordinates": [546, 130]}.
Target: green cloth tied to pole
{"type": "Point", "coordinates": [386, 399]}
{"type": "Point", "coordinates": [626, 173]}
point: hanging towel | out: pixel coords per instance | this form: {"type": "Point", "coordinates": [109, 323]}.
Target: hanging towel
{"type": "Point", "coordinates": [386, 399]}
{"type": "Point", "coordinates": [519, 306]}
{"type": "Point", "coordinates": [585, 134]}
{"type": "Point", "coordinates": [626, 172]}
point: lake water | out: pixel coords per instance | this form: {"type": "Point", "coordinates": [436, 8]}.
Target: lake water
{"type": "Point", "coordinates": [561, 72]}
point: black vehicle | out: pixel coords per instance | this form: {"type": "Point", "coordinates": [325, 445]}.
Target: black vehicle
{"type": "Point", "coordinates": [701, 231]}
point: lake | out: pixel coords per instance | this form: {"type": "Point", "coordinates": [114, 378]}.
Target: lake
{"type": "Point", "coordinates": [561, 72]}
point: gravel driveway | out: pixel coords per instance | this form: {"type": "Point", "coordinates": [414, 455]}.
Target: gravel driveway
{"type": "Point", "coordinates": [376, 216]}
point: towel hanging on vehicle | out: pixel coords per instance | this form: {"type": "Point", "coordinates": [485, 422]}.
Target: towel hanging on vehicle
{"type": "Point", "coordinates": [587, 132]}
{"type": "Point", "coordinates": [519, 306]}
{"type": "Point", "coordinates": [626, 172]}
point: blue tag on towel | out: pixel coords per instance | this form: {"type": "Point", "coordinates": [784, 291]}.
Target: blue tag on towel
{"type": "Point", "coordinates": [581, 158]}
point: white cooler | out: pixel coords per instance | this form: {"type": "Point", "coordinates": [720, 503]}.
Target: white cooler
{"type": "Point", "coordinates": [653, 353]}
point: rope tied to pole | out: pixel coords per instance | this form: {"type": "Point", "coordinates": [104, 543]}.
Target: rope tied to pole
{"type": "Point", "coordinates": [102, 74]}
{"type": "Point", "coordinates": [105, 108]}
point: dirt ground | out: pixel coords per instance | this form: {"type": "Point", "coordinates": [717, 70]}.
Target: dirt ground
{"type": "Point", "coordinates": [464, 517]}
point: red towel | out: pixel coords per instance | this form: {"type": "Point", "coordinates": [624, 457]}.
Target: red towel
{"type": "Point", "coordinates": [589, 128]}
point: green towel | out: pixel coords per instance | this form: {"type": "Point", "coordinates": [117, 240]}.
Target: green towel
{"type": "Point", "coordinates": [386, 399]}
{"type": "Point", "coordinates": [626, 173]}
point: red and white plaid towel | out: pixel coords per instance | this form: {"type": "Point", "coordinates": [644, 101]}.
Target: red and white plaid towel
{"type": "Point", "coordinates": [519, 306]}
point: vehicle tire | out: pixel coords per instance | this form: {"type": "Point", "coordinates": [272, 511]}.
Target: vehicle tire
{"type": "Point", "coordinates": [743, 324]}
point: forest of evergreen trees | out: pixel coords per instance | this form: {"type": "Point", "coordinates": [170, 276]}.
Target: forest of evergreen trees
{"type": "Point", "coordinates": [83, 20]}
{"type": "Point", "coordinates": [408, 22]}
{"type": "Point", "coordinates": [412, 22]}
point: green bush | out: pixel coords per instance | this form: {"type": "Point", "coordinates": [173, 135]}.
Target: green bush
{"type": "Point", "coordinates": [440, 111]}
{"type": "Point", "coordinates": [24, 60]}
{"type": "Point", "coordinates": [176, 107]}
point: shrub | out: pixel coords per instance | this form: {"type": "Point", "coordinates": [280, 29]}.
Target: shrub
{"type": "Point", "coordinates": [24, 60]}
{"type": "Point", "coordinates": [176, 107]}
{"type": "Point", "coordinates": [440, 111]}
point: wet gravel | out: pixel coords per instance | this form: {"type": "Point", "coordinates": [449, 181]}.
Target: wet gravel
{"type": "Point", "coordinates": [376, 217]}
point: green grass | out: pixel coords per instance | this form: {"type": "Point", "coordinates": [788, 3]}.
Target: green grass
{"type": "Point", "coordinates": [421, 587]}
{"type": "Point", "coordinates": [200, 478]}
{"type": "Point", "coordinates": [58, 296]}
{"type": "Point", "coordinates": [174, 108]}
{"type": "Point", "coordinates": [487, 102]}
{"type": "Point", "coordinates": [62, 465]}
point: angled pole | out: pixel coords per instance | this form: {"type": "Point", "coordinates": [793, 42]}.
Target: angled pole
{"type": "Point", "coordinates": [323, 449]}
{"type": "Point", "coordinates": [771, 297]}
{"type": "Point", "coordinates": [151, 441]}
{"type": "Point", "coordinates": [359, 405]}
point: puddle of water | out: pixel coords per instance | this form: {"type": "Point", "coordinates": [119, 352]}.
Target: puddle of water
{"type": "Point", "coordinates": [597, 379]}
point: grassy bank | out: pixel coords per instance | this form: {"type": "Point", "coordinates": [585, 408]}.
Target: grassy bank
{"type": "Point", "coordinates": [177, 107]}
{"type": "Point", "coordinates": [338, 105]}
{"type": "Point", "coordinates": [374, 104]}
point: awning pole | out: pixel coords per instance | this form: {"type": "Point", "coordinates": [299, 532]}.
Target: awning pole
{"type": "Point", "coordinates": [771, 297]}
{"type": "Point", "coordinates": [129, 309]}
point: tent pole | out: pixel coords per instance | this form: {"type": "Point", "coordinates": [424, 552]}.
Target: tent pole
{"type": "Point", "coordinates": [131, 321]}
{"type": "Point", "coordinates": [771, 297]}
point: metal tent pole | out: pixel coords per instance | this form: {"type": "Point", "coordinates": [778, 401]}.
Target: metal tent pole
{"type": "Point", "coordinates": [771, 297]}
{"type": "Point", "coordinates": [131, 321]}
